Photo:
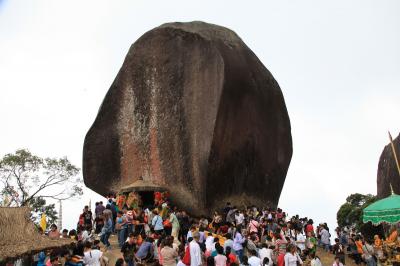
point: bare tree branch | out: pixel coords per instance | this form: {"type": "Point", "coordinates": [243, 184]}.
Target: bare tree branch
{"type": "Point", "coordinates": [25, 176]}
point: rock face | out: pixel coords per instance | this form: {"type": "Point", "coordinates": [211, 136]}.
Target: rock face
{"type": "Point", "coordinates": [194, 111]}
{"type": "Point", "coordinates": [387, 170]}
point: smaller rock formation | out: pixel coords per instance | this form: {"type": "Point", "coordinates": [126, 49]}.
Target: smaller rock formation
{"type": "Point", "coordinates": [387, 170]}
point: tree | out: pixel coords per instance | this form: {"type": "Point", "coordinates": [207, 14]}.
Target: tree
{"type": "Point", "coordinates": [350, 213]}
{"type": "Point", "coordinates": [27, 179]}
{"type": "Point", "coordinates": [38, 207]}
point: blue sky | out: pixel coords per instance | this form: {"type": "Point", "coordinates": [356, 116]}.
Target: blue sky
{"type": "Point", "coordinates": [337, 62]}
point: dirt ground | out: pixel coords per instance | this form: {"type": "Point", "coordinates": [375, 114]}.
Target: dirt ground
{"type": "Point", "coordinates": [114, 253]}
{"type": "Point", "coordinates": [328, 258]}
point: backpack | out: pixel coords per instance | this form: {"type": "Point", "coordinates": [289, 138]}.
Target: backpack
{"type": "Point", "coordinates": [186, 258]}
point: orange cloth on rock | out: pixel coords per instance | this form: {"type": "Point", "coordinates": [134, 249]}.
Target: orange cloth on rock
{"type": "Point", "coordinates": [392, 238]}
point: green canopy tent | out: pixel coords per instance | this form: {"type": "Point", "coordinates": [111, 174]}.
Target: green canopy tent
{"type": "Point", "coordinates": [386, 210]}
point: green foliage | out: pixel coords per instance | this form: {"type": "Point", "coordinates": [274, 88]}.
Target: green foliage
{"type": "Point", "coordinates": [38, 207]}
{"type": "Point", "coordinates": [28, 180]}
{"type": "Point", "coordinates": [350, 213]}
{"type": "Point", "coordinates": [25, 176]}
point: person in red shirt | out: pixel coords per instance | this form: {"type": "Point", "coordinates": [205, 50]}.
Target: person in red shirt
{"type": "Point", "coordinates": [280, 249]}
{"type": "Point", "coordinates": [223, 230]}
{"type": "Point", "coordinates": [231, 258]}
{"type": "Point", "coordinates": [309, 226]}
{"type": "Point", "coordinates": [279, 214]}
{"type": "Point", "coordinates": [81, 221]}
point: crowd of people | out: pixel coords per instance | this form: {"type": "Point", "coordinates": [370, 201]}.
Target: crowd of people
{"type": "Point", "coordinates": [161, 234]}
{"type": "Point", "coordinates": [367, 250]}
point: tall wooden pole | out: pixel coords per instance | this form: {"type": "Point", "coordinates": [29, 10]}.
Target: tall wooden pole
{"type": "Point", "coordinates": [394, 153]}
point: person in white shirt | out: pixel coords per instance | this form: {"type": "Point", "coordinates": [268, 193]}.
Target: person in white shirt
{"type": "Point", "coordinates": [239, 217]}
{"type": "Point", "coordinates": [291, 257]}
{"type": "Point", "coordinates": [315, 261]}
{"type": "Point", "coordinates": [209, 241]}
{"type": "Point", "coordinates": [266, 252]}
{"type": "Point", "coordinates": [180, 263]}
{"type": "Point", "coordinates": [254, 260]}
{"type": "Point", "coordinates": [86, 234]}
{"type": "Point", "coordinates": [337, 262]}
{"type": "Point", "coordinates": [325, 238]}
{"type": "Point", "coordinates": [300, 240]}
{"type": "Point", "coordinates": [92, 257]}
{"type": "Point", "coordinates": [195, 251]}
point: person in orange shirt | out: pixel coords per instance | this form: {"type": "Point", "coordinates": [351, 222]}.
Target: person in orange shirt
{"type": "Point", "coordinates": [359, 245]}
{"type": "Point", "coordinates": [354, 251]}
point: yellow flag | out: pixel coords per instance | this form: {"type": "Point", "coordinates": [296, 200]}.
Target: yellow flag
{"type": "Point", "coordinates": [43, 223]}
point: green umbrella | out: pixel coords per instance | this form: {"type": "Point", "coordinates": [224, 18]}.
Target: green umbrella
{"type": "Point", "coordinates": [386, 210]}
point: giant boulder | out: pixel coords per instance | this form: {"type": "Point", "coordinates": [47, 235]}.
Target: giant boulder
{"type": "Point", "coordinates": [387, 170]}
{"type": "Point", "coordinates": [194, 111]}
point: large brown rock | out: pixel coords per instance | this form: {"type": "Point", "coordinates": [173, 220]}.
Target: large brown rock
{"type": "Point", "coordinates": [192, 110]}
{"type": "Point", "coordinates": [387, 170]}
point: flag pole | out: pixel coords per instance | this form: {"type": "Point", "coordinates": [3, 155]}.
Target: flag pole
{"type": "Point", "coordinates": [394, 152]}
